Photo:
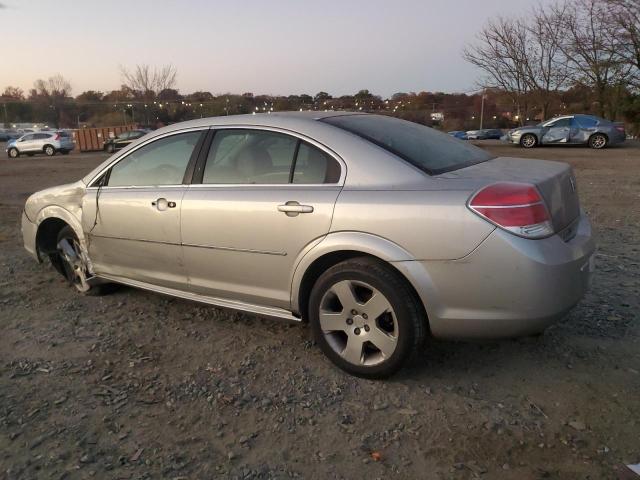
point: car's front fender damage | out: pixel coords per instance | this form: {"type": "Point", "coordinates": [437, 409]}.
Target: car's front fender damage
{"type": "Point", "coordinates": [63, 203]}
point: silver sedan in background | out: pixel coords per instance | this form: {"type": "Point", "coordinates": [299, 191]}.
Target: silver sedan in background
{"type": "Point", "coordinates": [376, 231]}
{"type": "Point", "coordinates": [588, 130]}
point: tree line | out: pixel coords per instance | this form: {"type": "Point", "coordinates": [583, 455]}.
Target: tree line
{"type": "Point", "coordinates": [593, 45]}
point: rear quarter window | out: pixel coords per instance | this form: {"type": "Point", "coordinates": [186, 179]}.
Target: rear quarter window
{"type": "Point", "coordinates": [429, 150]}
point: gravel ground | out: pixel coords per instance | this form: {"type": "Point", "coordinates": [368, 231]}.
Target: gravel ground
{"type": "Point", "coordinates": [138, 385]}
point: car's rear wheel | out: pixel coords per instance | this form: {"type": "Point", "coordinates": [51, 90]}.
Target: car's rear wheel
{"type": "Point", "coordinates": [72, 263]}
{"type": "Point", "coordinates": [49, 151]}
{"type": "Point", "coordinates": [366, 318]}
{"type": "Point", "coordinates": [598, 141]}
{"type": "Point", "coordinates": [528, 140]}
{"type": "Point", "coordinates": [14, 153]}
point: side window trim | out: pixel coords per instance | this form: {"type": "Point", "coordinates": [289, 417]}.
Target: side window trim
{"type": "Point", "coordinates": [198, 171]}
{"type": "Point", "coordinates": [101, 174]}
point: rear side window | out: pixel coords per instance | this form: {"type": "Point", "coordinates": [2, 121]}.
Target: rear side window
{"type": "Point", "coordinates": [425, 148]}
{"type": "Point", "coordinates": [249, 157]}
{"type": "Point", "coordinates": [162, 162]}
{"type": "Point", "coordinates": [313, 166]}
{"type": "Point", "coordinates": [586, 122]}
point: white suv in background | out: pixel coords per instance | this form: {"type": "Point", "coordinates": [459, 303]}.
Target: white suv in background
{"type": "Point", "coordinates": [48, 143]}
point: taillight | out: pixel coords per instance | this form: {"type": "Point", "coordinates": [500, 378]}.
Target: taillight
{"type": "Point", "coordinates": [515, 207]}
{"type": "Point", "coordinates": [620, 128]}
{"type": "Point", "coordinates": [57, 137]}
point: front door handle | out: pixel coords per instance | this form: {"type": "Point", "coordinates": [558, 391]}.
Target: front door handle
{"type": "Point", "coordinates": [293, 208]}
{"type": "Point", "coordinates": [162, 204]}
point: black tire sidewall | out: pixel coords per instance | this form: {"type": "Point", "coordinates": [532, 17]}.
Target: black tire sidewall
{"type": "Point", "coordinates": [46, 151]}
{"type": "Point", "coordinates": [393, 290]}
{"type": "Point", "coordinates": [14, 150]}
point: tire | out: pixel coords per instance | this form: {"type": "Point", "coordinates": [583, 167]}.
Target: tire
{"type": "Point", "coordinates": [13, 153]}
{"type": "Point", "coordinates": [66, 269]}
{"type": "Point", "coordinates": [598, 141]}
{"type": "Point", "coordinates": [49, 150]}
{"type": "Point", "coordinates": [380, 346]}
{"type": "Point", "coordinates": [528, 140]}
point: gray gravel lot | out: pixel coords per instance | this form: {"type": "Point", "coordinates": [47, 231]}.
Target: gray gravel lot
{"type": "Point", "coordinates": [138, 385]}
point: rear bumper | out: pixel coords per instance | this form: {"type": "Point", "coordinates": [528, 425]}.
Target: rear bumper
{"type": "Point", "coordinates": [508, 286]}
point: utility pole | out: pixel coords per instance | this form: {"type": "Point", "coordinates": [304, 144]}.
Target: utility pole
{"type": "Point", "coordinates": [482, 109]}
{"type": "Point", "coordinates": [6, 118]}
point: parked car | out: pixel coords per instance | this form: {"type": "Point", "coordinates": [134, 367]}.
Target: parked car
{"type": "Point", "coordinates": [459, 134]}
{"type": "Point", "coordinates": [48, 143]}
{"type": "Point", "coordinates": [8, 135]}
{"type": "Point", "coordinates": [569, 130]}
{"type": "Point", "coordinates": [123, 139]}
{"type": "Point", "coordinates": [485, 134]}
{"type": "Point", "coordinates": [376, 230]}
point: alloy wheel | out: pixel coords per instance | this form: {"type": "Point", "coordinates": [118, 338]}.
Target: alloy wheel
{"type": "Point", "coordinates": [74, 263]}
{"type": "Point", "coordinates": [528, 141]}
{"type": "Point", "coordinates": [598, 141]}
{"type": "Point", "coordinates": [358, 322]}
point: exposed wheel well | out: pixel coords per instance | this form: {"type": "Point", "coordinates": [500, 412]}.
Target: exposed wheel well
{"type": "Point", "coordinates": [48, 145]}
{"type": "Point", "coordinates": [320, 265]}
{"type": "Point", "coordinates": [599, 133]}
{"type": "Point", "coordinates": [47, 235]}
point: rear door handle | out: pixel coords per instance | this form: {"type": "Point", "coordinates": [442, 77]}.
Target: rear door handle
{"type": "Point", "coordinates": [293, 208]}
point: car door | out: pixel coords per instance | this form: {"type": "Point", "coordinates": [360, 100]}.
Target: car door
{"type": "Point", "coordinates": [259, 198]}
{"type": "Point", "coordinates": [558, 131]}
{"type": "Point", "coordinates": [26, 143]}
{"type": "Point", "coordinates": [131, 214]}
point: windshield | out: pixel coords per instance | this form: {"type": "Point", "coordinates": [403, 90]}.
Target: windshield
{"type": "Point", "coordinates": [427, 149]}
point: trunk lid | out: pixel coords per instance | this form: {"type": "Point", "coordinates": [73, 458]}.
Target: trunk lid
{"type": "Point", "coordinates": [555, 181]}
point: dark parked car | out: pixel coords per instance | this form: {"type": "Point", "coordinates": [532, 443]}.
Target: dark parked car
{"type": "Point", "coordinates": [123, 139]}
{"type": "Point", "coordinates": [459, 134]}
{"type": "Point", "coordinates": [569, 130]}
{"type": "Point", "coordinates": [485, 134]}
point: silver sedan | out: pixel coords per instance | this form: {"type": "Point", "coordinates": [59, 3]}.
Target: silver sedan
{"type": "Point", "coordinates": [376, 231]}
{"type": "Point", "coordinates": [588, 130]}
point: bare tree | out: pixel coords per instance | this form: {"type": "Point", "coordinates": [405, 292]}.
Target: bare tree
{"type": "Point", "coordinates": [625, 16]}
{"type": "Point", "coordinates": [56, 86]}
{"type": "Point", "coordinates": [586, 44]}
{"type": "Point", "coordinates": [544, 62]}
{"type": "Point", "coordinates": [149, 81]}
{"type": "Point", "coordinates": [499, 52]}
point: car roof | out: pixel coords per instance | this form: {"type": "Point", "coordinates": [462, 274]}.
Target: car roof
{"type": "Point", "coordinates": [369, 164]}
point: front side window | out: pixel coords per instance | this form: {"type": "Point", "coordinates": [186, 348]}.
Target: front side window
{"type": "Point", "coordinates": [563, 122]}
{"type": "Point", "coordinates": [249, 157]}
{"type": "Point", "coordinates": [425, 148]}
{"type": "Point", "coordinates": [162, 162]}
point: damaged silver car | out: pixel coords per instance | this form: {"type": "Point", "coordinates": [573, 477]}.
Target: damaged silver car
{"type": "Point", "coordinates": [376, 231]}
{"type": "Point", "coordinates": [588, 130]}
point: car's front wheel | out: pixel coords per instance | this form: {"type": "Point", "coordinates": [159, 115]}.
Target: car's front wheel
{"type": "Point", "coordinates": [49, 151]}
{"type": "Point", "coordinates": [72, 263]}
{"type": "Point", "coordinates": [528, 140]}
{"type": "Point", "coordinates": [14, 153]}
{"type": "Point", "coordinates": [366, 318]}
{"type": "Point", "coordinates": [598, 141]}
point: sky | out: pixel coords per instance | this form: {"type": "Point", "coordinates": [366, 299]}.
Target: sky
{"type": "Point", "coordinates": [276, 47]}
